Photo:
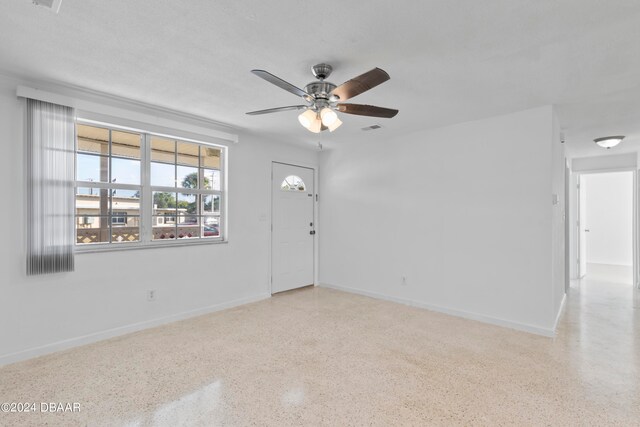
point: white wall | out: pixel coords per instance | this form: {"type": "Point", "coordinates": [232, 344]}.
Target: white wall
{"type": "Point", "coordinates": [106, 293]}
{"type": "Point", "coordinates": [609, 205]}
{"type": "Point", "coordinates": [463, 212]}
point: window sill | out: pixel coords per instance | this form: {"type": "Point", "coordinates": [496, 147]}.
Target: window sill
{"type": "Point", "coordinates": [111, 247]}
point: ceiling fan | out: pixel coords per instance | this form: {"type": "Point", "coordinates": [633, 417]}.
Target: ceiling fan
{"type": "Point", "coordinates": [323, 98]}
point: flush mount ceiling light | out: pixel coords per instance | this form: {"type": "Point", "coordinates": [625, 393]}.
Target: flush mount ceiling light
{"type": "Point", "coordinates": [609, 141]}
{"type": "Point", "coordinates": [322, 98]}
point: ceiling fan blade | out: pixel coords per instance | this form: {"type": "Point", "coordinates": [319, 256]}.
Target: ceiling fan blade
{"type": "Point", "coordinates": [279, 82]}
{"type": "Point", "coordinates": [367, 110]}
{"type": "Point", "coordinates": [277, 110]}
{"type": "Point", "coordinates": [362, 83]}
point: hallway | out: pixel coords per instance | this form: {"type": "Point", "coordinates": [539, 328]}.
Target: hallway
{"type": "Point", "coordinates": [600, 331]}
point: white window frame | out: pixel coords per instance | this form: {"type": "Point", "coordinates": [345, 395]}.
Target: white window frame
{"type": "Point", "coordinates": [146, 190]}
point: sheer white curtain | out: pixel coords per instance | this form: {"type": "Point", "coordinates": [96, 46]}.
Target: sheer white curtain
{"type": "Point", "coordinates": [50, 187]}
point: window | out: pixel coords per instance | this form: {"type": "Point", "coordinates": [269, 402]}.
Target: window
{"type": "Point", "coordinates": [119, 218]}
{"type": "Point", "coordinates": [138, 188]}
{"type": "Point", "coordinates": [292, 183]}
{"type": "Point", "coordinates": [185, 187]}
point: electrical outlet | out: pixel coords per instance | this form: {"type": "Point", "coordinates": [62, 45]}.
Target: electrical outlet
{"type": "Point", "coordinates": [151, 295]}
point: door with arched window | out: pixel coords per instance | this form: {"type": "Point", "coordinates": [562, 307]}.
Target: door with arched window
{"type": "Point", "coordinates": [293, 227]}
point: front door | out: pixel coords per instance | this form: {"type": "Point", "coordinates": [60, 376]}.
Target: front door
{"type": "Point", "coordinates": [293, 227]}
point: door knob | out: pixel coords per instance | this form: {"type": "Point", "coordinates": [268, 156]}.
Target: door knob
{"type": "Point", "coordinates": [312, 232]}
{"type": "Point", "coordinates": [586, 230]}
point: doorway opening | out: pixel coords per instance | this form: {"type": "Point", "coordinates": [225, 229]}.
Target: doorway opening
{"type": "Point", "coordinates": [605, 227]}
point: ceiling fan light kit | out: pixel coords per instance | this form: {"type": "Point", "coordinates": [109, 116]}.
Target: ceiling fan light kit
{"type": "Point", "coordinates": [308, 117]}
{"type": "Point", "coordinates": [328, 116]}
{"type": "Point", "coordinates": [335, 125]}
{"type": "Point", "coordinates": [315, 126]}
{"type": "Point", "coordinates": [609, 141]}
{"type": "Point", "coordinates": [323, 98]}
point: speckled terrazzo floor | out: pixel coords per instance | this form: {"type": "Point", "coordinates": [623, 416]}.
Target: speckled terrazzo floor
{"type": "Point", "coordinates": [323, 357]}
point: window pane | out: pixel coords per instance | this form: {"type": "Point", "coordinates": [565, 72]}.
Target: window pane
{"type": "Point", "coordinates": [125, 202]}
{"type": "Point", "coordinates": [210, 157]}
{"type": "Point", "coordinates": [211, 226]}
{"type": "Point", "coordinates": [163, 175]}
{"type": "Point", "coordinates": [164, 216]}
{"type": "Point", "coordinates": [163, 227]}
{"type": "Point", "coordinates": [92, 168]}
{"type": "Point", "coordinates": [189, 229]}
{"type": "Point", "coordinates": [125, 144]}
{"type": "Point", "coordinates": [188, 154]}
{"type": "Point", "coordinates": [125, 171]}
{"type": "Point", "coordinates": [92, 229]}
{"type": "Point", "coordinates": [164, 204]}
{"type": "Point", "coordinates": [163, 150]}
{"type": "Point", "coordinates": [92, 201]}
{"type": "Point", "coordinates": [187, 177]}
{"type": "Point", "coordinates": [292, 183]}
{"type": "Point", "coordinates": [212, 179]}
{"type": "Point", "coordinates": [187, 208]}
{"type": "Point", "coordinates": [210, 204]}
{"type": "Point", "coordinates": [125, 228]}
{"type": "Point", "coordinates": [93, 139]}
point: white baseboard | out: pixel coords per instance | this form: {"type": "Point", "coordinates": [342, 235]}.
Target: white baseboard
{"type": "Point", "coordinates": [122, 330]}
{"type": "Point", "coordinates": [454, 312]}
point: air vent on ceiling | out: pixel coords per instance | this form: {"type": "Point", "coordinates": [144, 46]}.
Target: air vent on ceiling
{"type": "Point", "coordinates": [54, 5]}
{"type": "Point", "coordinates": [372, 127]}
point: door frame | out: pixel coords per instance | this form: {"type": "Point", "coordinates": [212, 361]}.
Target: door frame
{"type": "Point", "coordinates": [579, 227]}
{"type": "Point", "coordinates": [316, 227]}
{"type": "Point", "coordinates": [634, 218]}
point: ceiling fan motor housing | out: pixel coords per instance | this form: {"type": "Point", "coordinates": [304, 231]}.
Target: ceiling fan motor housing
{"type": "Point", "coordinates": [319, 89]}
{"type": "Point", "coordinates": [321, 71]}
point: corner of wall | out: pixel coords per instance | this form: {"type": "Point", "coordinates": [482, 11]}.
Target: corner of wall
{"type": "Point", "coordinates": [558, 211]}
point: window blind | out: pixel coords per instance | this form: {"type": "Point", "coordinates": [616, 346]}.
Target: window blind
{"type": "Point", "coordinates": [50, 133]}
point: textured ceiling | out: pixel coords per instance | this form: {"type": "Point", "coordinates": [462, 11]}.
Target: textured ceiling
{"type": "Point", "coordinates": [449, 61]}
